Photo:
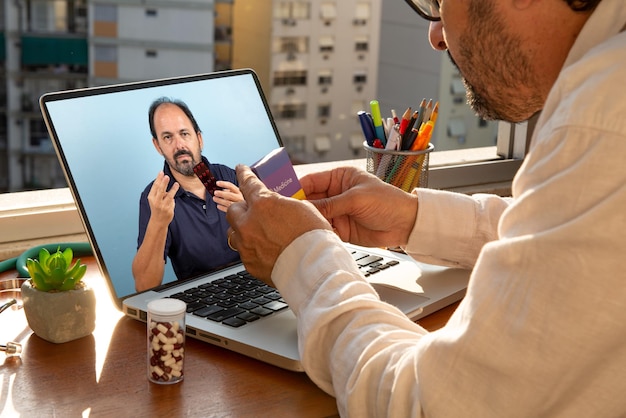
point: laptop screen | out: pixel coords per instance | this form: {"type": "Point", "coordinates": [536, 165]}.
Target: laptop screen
{"type": "Point", "coordinates": [103, 141]}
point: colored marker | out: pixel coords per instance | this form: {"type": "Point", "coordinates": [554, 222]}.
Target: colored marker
{"type": "Point", "coordinates": [367, 126]}
{"type": "Point", "coordinates": [378, 121]}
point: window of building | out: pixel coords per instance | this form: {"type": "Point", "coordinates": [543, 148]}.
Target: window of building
{"type": "Point", "coordinates": [325, 77]}
{"type": "Point", "coordinates": [152, 12]}
{"type": "Point", "coordinates": [362, 14]}
{"type": "Point", "coordinates": [291, 44]}
{"type": "Point", "coordinates": [289, 111]}
{"type": "Point", "coordinates": [323, 110]}
{"type": "Point", "coordinates": [300, 10]}
{"type": "Point", "coordinates": [323, 143]}
{"type": "Point", "coordinates": [361, 44]}
{"type": "Point", "coordinates": [295, 144]}
{"type": "Point", "coordinates": [105, 53]}
{"type": "Point", "coordinates": [328, 11]}
{"type": "Point", "coordinates": [327, 43]}
{"type": "Point", "coordinates": [105, 12]}
{"type": "Point", "coordinates": [290, 78]}
{"type": "Point", "coordinates": [288, 10]}
{"type": "Point", "coordinates": [359, 77]}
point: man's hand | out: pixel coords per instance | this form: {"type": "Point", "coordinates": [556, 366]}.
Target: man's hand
{"type": "Point", "coordinates": [228, 195]}
{"type": "Point", "coordinates": [362, 209]}
{"type": "Point", "coordinates": [161, 200]}
{"type": "Point", "coordinates": [265, 223]}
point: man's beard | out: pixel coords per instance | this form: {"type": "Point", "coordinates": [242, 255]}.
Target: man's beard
{"type": "Point", "coordinates": [478, 102]}
{"type": "Point", "coordinates": [184, 167]}
{"type": "Point", "coordinates": [497, 72]}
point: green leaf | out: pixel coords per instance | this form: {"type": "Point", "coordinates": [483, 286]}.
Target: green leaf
{"type": "Point", "coordinates": [67, 256]}
{"type": "Point", "coordinates": [77, 271]}
{"type": "Point", "coordinates": [43, 257]}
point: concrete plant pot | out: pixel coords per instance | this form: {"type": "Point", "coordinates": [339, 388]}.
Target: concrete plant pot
{"type": "Point", "coordinates": [59, 317]}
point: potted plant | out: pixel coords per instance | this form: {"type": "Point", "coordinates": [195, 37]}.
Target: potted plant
{"type": "Point", "coordinates": [59, 306]}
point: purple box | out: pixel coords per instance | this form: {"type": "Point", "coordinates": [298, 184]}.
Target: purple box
{"type": "Point", "coordinates": [276, 172]}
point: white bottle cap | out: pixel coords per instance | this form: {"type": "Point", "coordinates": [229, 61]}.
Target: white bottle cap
{"type": "Point", "coordinates": [167, 307]}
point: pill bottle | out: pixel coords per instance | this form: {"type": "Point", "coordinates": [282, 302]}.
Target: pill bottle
{"type": "Point", "coordinates": [166, 340]}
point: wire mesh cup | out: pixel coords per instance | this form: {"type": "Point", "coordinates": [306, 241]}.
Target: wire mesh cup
{"type": "Point", "coordinates": [404, 169]}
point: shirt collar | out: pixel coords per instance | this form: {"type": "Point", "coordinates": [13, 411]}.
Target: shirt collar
{"type": "Point", "coordinates": [606, 21]}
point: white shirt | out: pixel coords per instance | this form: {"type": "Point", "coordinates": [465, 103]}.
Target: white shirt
{"type": "Point", "coordinates": [542, 329]}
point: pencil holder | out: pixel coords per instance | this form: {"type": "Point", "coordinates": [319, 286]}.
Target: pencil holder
{"type": "Point", "coordinates": [403, 169]}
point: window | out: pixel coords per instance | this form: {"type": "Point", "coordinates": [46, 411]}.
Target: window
{"type": "Point", "coordinates": [290, 78]}
{"type": "Point", "coordinates": [289, 10]}
{"type": "Point", "coordinates": [325, 78]}
{"type": "Point", "coordinates": [359, 78]}
{"type": "Point", "coordinates": [323, 110]}
{"type": "Point", "coordinates": [328, 11]}
{"type": "Point", "coordinates": [105, 12]}
{"type": "Point", "coordinates": [327, 43]}
{"type": "Point", "coordinates": [361, 44]}
{"type": "Point", "coordinates": [300, 10]}
{"type": "Point", "coordinates": [105, 53]}
{"type": "Point", "coordinates": [291, 44]}
{"type": "Point", "coordinates": [322, 144]}
{"type": "Point", "coordinates": [289, 111]}
{"type": "Point", "coordinates": [295, 144]}
{"type": "Point", "coordinates": [362, 14]}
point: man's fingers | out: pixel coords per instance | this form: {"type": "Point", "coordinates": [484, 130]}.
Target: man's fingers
{"type": "Point", "coordinates": [249, 183]}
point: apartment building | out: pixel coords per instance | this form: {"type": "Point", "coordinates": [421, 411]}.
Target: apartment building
{"type": "Point", "coordinates": [318, 65]}
{"type": "Point", "coordinates": [50, 45]}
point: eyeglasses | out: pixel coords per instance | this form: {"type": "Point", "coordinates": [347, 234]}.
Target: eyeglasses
{"type": "Point", "coordinates": [428, 9]}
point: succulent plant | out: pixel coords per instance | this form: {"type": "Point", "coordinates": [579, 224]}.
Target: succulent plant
{"type": "Point", "coordinates": [55, 271]}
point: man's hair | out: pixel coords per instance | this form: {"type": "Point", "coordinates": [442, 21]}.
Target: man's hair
{"type": "Point", "coordinates": [582, 5]}
{"type": "Point", "coordinates": [181, 105]}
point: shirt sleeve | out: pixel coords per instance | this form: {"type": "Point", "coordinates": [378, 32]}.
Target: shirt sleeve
{"type": "Point", "coordinates": [451, 228]}
{"type": "Point", "coordinates": [354, 346]}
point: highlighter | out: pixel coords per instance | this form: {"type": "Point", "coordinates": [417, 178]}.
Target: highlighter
{"type": "Point", "coordinates": [378, 122]}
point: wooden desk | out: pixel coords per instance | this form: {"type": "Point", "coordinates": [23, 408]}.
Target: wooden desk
{"type": "Point", "coordinates": [104, 374]}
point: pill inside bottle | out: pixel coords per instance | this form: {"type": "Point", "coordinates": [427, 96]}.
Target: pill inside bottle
{"type": "Point", "coordinates": [166, 340]}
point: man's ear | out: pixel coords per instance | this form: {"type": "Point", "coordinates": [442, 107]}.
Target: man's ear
{"type": "Point", "coordinates": [156, 145]}
{"type": "Point", "coordinates": [200, 140]}
{"type": "Point", "coordinates": [522, 4]}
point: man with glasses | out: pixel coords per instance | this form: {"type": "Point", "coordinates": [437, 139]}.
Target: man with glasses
{"type": "Point", "coordinates": [540, 331]}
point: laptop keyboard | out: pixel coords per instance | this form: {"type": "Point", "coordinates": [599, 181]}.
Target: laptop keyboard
{"type": "Point", "coordinates": [241, 298]}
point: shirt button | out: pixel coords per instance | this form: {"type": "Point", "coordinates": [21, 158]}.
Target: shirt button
{"type": "Point", "coordinates": [204, 207]}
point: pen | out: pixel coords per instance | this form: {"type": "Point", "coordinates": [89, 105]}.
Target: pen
{"type": "Point", "coordinates": [394, 116]}
{"type": "Point", "coordinates": [368, 127]}
{"type": "Point", "coordinates": [392, 144]}
{"type": "Point", "coordinates": [378, 121]}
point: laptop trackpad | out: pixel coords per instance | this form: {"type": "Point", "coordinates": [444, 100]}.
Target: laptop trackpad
{"type": "Point", "coordinates": [409, 303]}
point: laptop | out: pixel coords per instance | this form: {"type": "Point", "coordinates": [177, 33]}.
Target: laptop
{"type": "Point", "coordinates": [103, 142]}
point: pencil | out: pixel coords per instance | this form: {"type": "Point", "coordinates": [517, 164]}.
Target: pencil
{"type": "Point", "coordinates": [435, 114]}
{"type": "Point", "coordinates": [404, 123]}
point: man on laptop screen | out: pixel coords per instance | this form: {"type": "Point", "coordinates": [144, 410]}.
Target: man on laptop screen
{"type": "Point", "coordinates": [179, 217]}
